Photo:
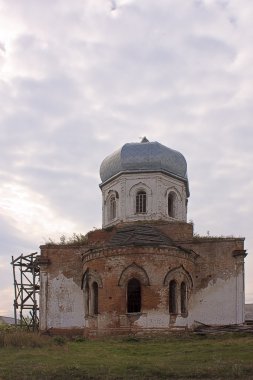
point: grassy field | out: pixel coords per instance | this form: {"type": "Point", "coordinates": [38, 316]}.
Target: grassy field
{"type": "Point", "coordinates": [27, 356]}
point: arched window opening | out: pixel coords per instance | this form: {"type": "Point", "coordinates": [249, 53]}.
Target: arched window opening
{"type": "Point", "coordinates": [171, 204]}
{"type": "Point", "coordinates": [141, 202]}
{"type": "Point", "coordinates": [133, 296]}
{"type": "Point", "coordinates": [112, 213]}
{"type": "Point", "coordinates": [173, 297]}
{"type": "Point", "coordinates": [183, 296]}
{"type": "Point", "coordinates": [86, 299]}
{"type": "Point", "coordinates": [94, 298]}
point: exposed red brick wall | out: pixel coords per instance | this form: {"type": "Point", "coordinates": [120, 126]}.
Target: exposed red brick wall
{"type": "Point", "coordinates": [204, 259]}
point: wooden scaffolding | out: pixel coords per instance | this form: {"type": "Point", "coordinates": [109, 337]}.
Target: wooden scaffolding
{"type": "Point", "coordinates": [26, 274]}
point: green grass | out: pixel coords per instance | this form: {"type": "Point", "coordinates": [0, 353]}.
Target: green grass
{"type": "Point", "coordinates": [228, 356]}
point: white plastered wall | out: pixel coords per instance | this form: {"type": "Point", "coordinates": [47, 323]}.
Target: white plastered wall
{"type": "Point", "coordinates": [157, 187]}
{"type": "Point", "coordinates": [65, 306]}
{"type": "Point", "coordinates": [220, 303]}
{"type": "Point", "coordinates": [43, 298]}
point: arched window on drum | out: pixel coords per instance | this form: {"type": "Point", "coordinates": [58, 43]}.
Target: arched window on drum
{"type": "Point", "coordinates": [112, 208]}
{"type": "Point", "coordinates": [141, 202]}
{"type": "Point", "coordinates": [172, 199]}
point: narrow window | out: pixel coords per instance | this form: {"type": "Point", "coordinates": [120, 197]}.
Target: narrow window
{"type": "Point", "coordinates": [86, 299]}
{"type": "Point", "coordinates": [141, 201]}
{"type": "Point", "coordinates": [173, 297]}
{"type": "Point", "coordinates": [183, 296]}
{"type": "Point", "coordinates": [94, 299]}
{"type": "Point", "coordinates": [112, 208]}
{"type": "Point", "coordinates": [171, 205]}
{"type": "Point", "coordinates": [133, 296]}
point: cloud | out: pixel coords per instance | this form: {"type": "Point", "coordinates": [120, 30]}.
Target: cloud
{"type": "Point", "coordinates": [2, 47]}
{"type": "Point", "coordinates": [7, 297]}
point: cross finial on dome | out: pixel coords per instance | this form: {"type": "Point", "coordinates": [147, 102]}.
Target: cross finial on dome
{"type": "Point", "coordinates": [144, 140]}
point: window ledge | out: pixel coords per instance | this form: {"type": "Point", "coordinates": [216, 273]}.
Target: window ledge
{"type": "Point", "coordinates": [91, 316]}
{"type": "Point", "coordinates": [183, 315]}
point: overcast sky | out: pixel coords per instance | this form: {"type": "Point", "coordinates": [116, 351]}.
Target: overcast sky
{"type": "Point", "coordinates": [80, 78]}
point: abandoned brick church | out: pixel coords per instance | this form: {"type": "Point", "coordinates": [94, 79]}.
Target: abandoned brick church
{"type": "Point", "coordinates": [144, 271]}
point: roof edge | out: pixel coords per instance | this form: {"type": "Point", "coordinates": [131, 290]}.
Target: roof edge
{"type": "Point", "coordinates": [185, 180]}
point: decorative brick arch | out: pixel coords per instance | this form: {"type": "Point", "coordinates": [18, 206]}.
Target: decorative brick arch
{"type": "Point", "coordinates": [133, 271]}
{"type": "Point", "coordinates": [91, 276]}
{"type": "Point", "coordinates": [91, 282]}
{"type": "Point", "coordinates": [179, 274]}
{"type": "Point", "coordinates": [140, 186]}
{"type": "Point", "coordinates": [173, 189]}
{"type": "Point", "coordinates": [110, 194]}
{"type": "Point", "coordinates": [179, 283]}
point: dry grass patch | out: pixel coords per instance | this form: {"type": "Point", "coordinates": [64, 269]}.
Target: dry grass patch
{"type": "Point", "coordinates": [229, 356]}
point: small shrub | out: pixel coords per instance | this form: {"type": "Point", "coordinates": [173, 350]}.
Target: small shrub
{"type": "Point", "coordinates": [132, 339]}
{"type": "Point", "coordinates": [79, 339]}
{"type": "Point", "coordinates": [75, 239]}
{"type": "Point", "coordinates": [59, 340]}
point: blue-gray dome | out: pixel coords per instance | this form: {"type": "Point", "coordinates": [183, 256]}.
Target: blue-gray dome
{"type": "Point", "coordinates": [144, 157]}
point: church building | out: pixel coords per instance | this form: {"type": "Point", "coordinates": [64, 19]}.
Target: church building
{"type": "Point", "coordinates": [144, 271]}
